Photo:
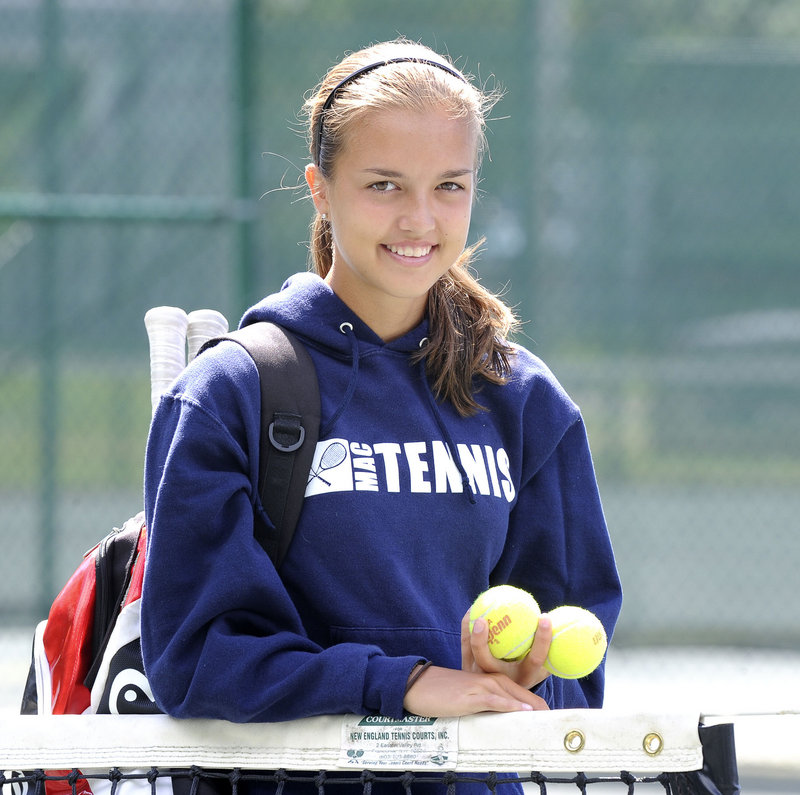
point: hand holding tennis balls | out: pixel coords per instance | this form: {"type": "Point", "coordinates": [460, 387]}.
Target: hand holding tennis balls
{"type": "Point", "coordinates": [512, 616]}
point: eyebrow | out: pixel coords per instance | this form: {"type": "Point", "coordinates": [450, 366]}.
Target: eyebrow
{"type": "Point", "coordinates": [385, 172]}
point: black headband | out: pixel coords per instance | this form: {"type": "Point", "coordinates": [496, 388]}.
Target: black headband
{"type": "Point", "coordinates": [362, 71]}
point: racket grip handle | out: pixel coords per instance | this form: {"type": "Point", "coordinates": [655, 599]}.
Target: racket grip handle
{"type": "Point", "coordinates": [203, 325]}
{"type": "Point", "coordinates": [166, 331]}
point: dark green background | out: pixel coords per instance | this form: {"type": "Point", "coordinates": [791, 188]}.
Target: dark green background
{"type": "Point", "coordinates": [640, 208]}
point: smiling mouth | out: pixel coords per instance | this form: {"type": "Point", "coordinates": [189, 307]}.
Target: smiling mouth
{"type": "Point", "coordinates": [416, 252]}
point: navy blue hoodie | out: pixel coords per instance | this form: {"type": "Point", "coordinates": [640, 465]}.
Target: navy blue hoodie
{"type": "Point", "coordinates": [396, 537]}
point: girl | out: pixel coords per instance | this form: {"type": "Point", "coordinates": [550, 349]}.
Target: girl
{"type": "Point", "coordinates": [465, 464]}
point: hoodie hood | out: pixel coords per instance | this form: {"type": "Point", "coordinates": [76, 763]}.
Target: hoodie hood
{"type": "Point", "coordinates": [309, 308]}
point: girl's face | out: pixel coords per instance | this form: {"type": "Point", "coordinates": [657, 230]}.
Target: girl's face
{"type": "Point", "coordinates": [399, 204]}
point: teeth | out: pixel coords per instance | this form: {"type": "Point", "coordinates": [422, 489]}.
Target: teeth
{"type": "Point", "coordinates": [410, 251]}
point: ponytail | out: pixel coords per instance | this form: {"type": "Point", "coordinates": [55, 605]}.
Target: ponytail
{"type": "Point", "coordinates": [320, 246]}
{"type": "Point", "coordinates": [468, 337]}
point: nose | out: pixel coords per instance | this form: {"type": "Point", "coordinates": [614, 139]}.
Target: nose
{"type": "Point", "coordinates": [417, 215]}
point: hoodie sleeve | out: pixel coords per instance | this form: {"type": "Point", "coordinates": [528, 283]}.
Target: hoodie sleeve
{"type": "Point", "coordinates": [221, 637]}
{"type": "Point", "coordinates": [558, 546]}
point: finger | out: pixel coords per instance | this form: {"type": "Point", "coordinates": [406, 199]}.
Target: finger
{"type": "Point", "coordinates": [494, 702]}
{"type": "Point", "coordinates": [541, 641]}
{"type": "Point", "coordinates": [508, 696]}
{"type": "Point", "coordinates": [531, 670]}
{"type": "Point", "coordinates": [479, 644]}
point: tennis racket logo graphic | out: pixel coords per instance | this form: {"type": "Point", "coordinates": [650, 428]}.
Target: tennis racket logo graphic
{"type": "Point", "coordinates": [129, 691]}
{"type": "Point", "coordinates": [331, 457]}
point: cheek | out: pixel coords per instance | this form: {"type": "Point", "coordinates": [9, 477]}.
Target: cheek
{"type": "Point", "coordinates": [355, 233]}
{"type": "Point", "coordinates": [460, 223]}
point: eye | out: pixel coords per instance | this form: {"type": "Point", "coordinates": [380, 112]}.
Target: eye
{"type": "Point", "coordinates": [451, 187]}
{"type": "Point", "coordinates": [385, 186]}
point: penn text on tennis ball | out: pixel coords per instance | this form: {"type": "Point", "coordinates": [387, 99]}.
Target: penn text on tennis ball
{"type": "Point", "coordinates": [579, 642]}
{"type": "Point", "coordinates": [511, 615]}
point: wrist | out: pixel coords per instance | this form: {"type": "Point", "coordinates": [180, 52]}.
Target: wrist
{"type": "Point", "coordinates": [416, 672]}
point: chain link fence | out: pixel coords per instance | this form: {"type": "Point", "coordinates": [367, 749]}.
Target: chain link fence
{"type": "Point", "coordinates": [640, 208]}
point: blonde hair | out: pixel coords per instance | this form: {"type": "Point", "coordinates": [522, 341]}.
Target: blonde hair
{"type": "Point", "coordinates": [468, 325]}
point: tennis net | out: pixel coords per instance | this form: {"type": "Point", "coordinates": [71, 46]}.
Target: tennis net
{"type": "Point", "coordinates": [594, 750]}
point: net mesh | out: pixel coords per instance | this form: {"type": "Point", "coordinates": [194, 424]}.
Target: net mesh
{"type": "Point", "coordinates": [568, 750]}
{"type": "Point", "coordinates": [209, 782]}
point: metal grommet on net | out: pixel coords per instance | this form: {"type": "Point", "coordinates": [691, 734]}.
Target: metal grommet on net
{"type": "Point", "coordinates": [653, 743]}
{"type": "Point", "coordinates": [574, 741]}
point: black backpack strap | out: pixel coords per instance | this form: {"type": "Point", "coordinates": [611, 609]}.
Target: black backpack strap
{"type": "Point", "coordinates": [114, 559]}
{"type": "Point", "coordinates": [290, 413]}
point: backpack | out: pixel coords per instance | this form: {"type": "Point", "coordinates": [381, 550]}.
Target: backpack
{"type": "Point", "coordinates": [87, 653]}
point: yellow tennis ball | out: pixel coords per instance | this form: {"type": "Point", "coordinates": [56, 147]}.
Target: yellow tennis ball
{"type": "Point", "coordinates": [579, 642]}
{"type": "Point", "coordinates": [512, 616]}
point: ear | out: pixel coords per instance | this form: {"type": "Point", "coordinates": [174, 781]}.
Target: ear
{"type": "Point", "coordinates": [318, 187]}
